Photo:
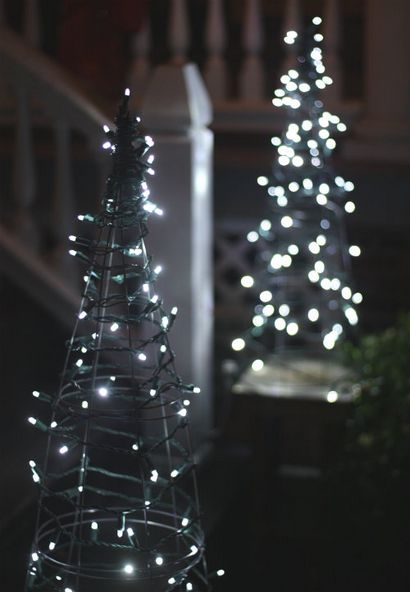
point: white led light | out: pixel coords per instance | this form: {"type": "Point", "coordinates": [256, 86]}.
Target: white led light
{"type": "Point", "coordinates": [182, 412]}
{"type": "Point", "coordinates": [275, 141]}
{"type": "Point", "coordinates": [314, 248]}
{"type": "Point", "coordinates": [127, 92]}
{"type": "Point", "coordinates": [185, 522]}
{"type": "Point", "coordinates": [72, 252]}
{"type": "Point", "coordinates": [316, 20]}
{"type": "Point", "coordinates": [220, 572]}
{"type": "Point", "coordinates": [332, 396]}
{"type": "Point", "coordinates": [103, 391]}
{"type": "Point", "coordinates": [307, 125]}
{"type": "Point", "coordinates": [84, 404]}
{"type": "Point", "coordinates": [35, 556]}
{"type": "Point", "coordinates": [247, 281]}
{"type": "Point", "coordinates": [128, 569]}
{"type": "Point", "coordinates": [351, 315]}
{"type": "Point", "coordinates": [268, 310]}
{"type": "Point", "coordinates": [252, 236]}
{"type": "Point", "coordinates": [114, 327]}
{"type": "Point", "coordinates": [349, 186]}
{"type": "Point", "coordinates": [265, 296]}
{"type": "Point", "coordinates": [257, 365]}
{"type": "Point", "coordinates": [280, 324]}
{"type": "Point", "coordinates": [32, 420]}
{"type": "Point", "coordinates": [174, 473]}
{"type": "Point", "coordinates": [82, 315]}
{"type": "Point", "coordinates": [354, 251]}
{"type": "Point", "coordinates": [63, 449]}
{"type": "Point", "coordinates": [51, 545]}
{"type": "Point", "coordinates": [154, 475]}
{"type": "Point", "coordinates": [284, 310]}
{"type": "Point", "coordinates": [313, 315]}
{"type": "Point", "coordinates": [293, 186]}
{"type": "Point", "coordinates": [258, 320]}
{"type": "Point", "coordinates": [171, 581]}
{"type": "Point", "coordinates": [79, 363]}
{"type": "Point", "coordinates": [159, 560]}
{"type": "Point", "coordinates": [292, 328]}
{"type": "Point", "coordinates": [286, 221]}
{"type": "Point", "coordinates": [106, 145]}
{"type": "Point", "coordinates": [142, 357]}
{"type": "Point", "coordinates": [238, 344]}
{"type": "Point", "coordinates": [350, 207]}
{"type": "Point", "coordinates": [266, 225]}
{"type": "Point", "coordinates": [346, 293]}
{"type": "Point", "coordinates": [94, 526]}
{"type": "Point", "coordinates": [357, 298]}
{"type": "Point", "coordinates": [276, 261]}
{"type": "Point", "coordinates": [262, 181]}
{"type": "Point", "coordinates": [293, 249]}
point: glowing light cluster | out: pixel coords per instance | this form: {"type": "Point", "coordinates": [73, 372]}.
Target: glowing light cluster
{"type": "Point", "coordinates": [301, 281]}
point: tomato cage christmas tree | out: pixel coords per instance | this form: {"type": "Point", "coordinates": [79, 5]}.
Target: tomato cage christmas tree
{"type": "Point", "coordinates": [118, 506]}
{"type": "Point", "coordinates": [302, 276]}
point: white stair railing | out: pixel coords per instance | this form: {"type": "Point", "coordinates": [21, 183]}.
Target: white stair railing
{"type": "Point", "coordinates": [252, 79]}
{"type": "Point", "coordinates": [215, 39]}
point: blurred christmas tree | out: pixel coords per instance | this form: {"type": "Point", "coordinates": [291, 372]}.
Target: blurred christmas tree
{"type": "Point", "coordinates": [302, 277]}
{"type": "Point", "coordinates": [118, 506]}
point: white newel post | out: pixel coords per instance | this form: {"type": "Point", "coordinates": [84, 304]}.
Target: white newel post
{"type": "Point", "coordinates": [215, 68]}
{"type": "Point", "coordinates": [176, 111]}
{"type": "Point", "coordinates": [252, 79]}
{"type": "Point", "coordinates": [332, 26]}
{"type": "Point", "coordinates": [384, 133]}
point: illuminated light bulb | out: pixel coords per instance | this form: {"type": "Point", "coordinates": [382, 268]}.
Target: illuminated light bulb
{"type": "Point", "coordinates": [286, 221]}
{"type": "Point", "coordinates": [32, 420]}
{"type": "Point", "coordinates": [357, 298]}
{"type": "Point", "coordinates": [293, 186]}
{"type": "Point", "coordinates": [313, 276]}
{"type": "Point", "coordinates": [128, 568]}
{"type": "Point", "coordinates": [72, 238]}
{"type": "Point", "coordinates": [189, 587]}
{"type": "Point", "coordinates": [328, 341]}
{"type": "Point", "coordinates": [185, 522]}
{"type": "Point", "coordinates": [321, 240]}
{"type": "Point", "coordinates": [262, 181]}
{"type": "Point", "coordinates": [313, 315]}
{"type": "Point", "coordinates": [154, 299]}
{"type": "Point", "coordinates": [282, 201]}
{"type": "Point", "coordinates": [337, 328]}
{"type": "Point", "coordinates": [275, 141]}
{"type": "Point", "coordinates": [350, 207]}
{"type": "Point", "coordinates": [163, 349]}
{"type": "Point", "coordinates": [291, 86]}
{"type": "Point", "coordinates": [82, 315]}
{"type": "Point", "coordinates": [106, 145]}
{"type": "Point", "coordinates": [332, 397]}
{"type": "Point", "coordinates": [83, 349]}
{"type": "Point", "coordinates": [318, 37]}
{"type": "Point", "coordinates": [319, 266]}
{"type": "Point", "coordinates": [51, 545]}
{"type": "Point", "coordinates": [293, 249]}
{"type": "Point", "coordinates": [220, 572]}
{"type": "Point", "coordinates": [80, 488]}
{"type": "Point", "coordinates": [252, 236]}
{"type": "Point", "coordinates": [284, 79]}
{"type": "Point", "coordinates": [35, 556]}
{"type": "Point", "coordinates": [268, 310]}
{"type": "Point", "coordinates": [314, 248]}
{"type": "Point", "coordinates": [154, 475]}
{"type": "Point", "coordinates": [335, 284]}
{"type": "Point", "coordinates": [280, 324]}
{"type": "Point", "coordinates": [158, 211]}
{"type": "Point", "coordinates": [171, 581]}
{"type": "Point", "coordinates": [326, 283]}
{"type": "Point", "coordinates": [283, 160]}
{"type": "Point", "coordinates": [36, 394]}
{"type": "Point", "coordinates": [327, 80]}
{"type": "Point", "coordinates": [304, 87]}
{"type": "Point", "coordinates": [165, 322]}
{"type": "Point", "coordinates": [103, 391]}
{"type": "Point", "coordinates": [325, 224]}
{"type": "Point", "coordinates": [351, 315]}
{"type": "Point", "coordinates": [142, 357]}
{"type": "Point", "coordinates": [293, 73]}
{"type": "Point", "coordinates": [266, 225]}
{"type": "Point", "coordinates": [174, 473]}
{"type": "Point", "coordinates": [114, 327]}
{"type": "Point", "coordinates": [196, 390]}
{"type": "Point", "coordinates": [238, 344]}
{"type": "Point", "coordinates": [316, 20]}
{"type": "Point", "coordinates": [53, 424]}
{"type": "Point", "coordinates": [113, 378]}
{"type": "Point", "coordinates": [247, 281]}
{"type": "Point", "coordinates": [59, 578]}
{"type": "Point", "coordinates": [354, 251]}
{"type": "Point", "coordinates": [341, 127]}
{"type": "Point", "coordinates": [265, 296]}
{"type": "Point", "coordinates": [331, 144]}
{"type": "Point", "coordinates": [72, 252]}
{"type": "Point", "coordinates": [349, 186]}
{"type": "Point", "coordinates": [158, 269]}
{"type": "Point", "coordinates": [32, 464]}
{"type": "Point", "coordinates": [127, 92]}
{"type": "Point", "coordinates": [286, 260]}
{"type": "Point", "coordinates": [320, 84]}
{"type": "Point", "coordinates": [258, 321]}
{"type": "Point", "coordinates": [280, 92]}
{"type": "Point", "coordinates": [324, 188]}
{"type": "Point", "coordinates": [257, 365]}
{"type": "Point", "coordinates": [135, 446]}
{"type": "Point", "coordinates": [316, 162]}
{"type": "Point", "coordinates": [346, 293]}
{"type": "Point", "coordinates": [182, 412]}
{"type": "Point", "coordinates": [307, 125]}
{"type": "Point", "coordinates": [297, 161]}
{"type": "Point", "coordinates": [150, 158]}
{"type": "Point", "coordinates": [130, 531]}
{"type": "Point", "coordinates": [84, 404]}
{"type": "Point", "coordinates": [94, 525]}
{"type": "Point", "coordinates": [159, 560]}
{"type": "Point", "coordinates": [284, 310]}
{"type": "Point", "coordinates": [79, 363]}
{"type": "Point", "coordinates": [147, 503]}
{"type": "Point", "coordinates": [63, 449]}
{"type": "Point", "coordinates": [292, 328]}
{"type": "Point", "coordinates": [307, 184]}
{"type": "Point", "coordinates": [94, 335]}
{"type": "Point", "coordinates": [276, 261]}
{"type": "Point", "coordinates": [174, 310]}
{"type": "Point", "coordinates": [120, 532]}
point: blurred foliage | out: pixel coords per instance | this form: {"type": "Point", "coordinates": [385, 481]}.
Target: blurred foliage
{"type": "Point", "coordinates": [368, 487]}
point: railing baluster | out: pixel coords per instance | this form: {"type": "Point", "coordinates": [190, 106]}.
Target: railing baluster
{"type": "Point", "coordinates": [63, 201]}
{"type": "Point", "coordinates": [331, 47]}
{"type": "Point", "coordinates": [178, 31]}
{"type": "Point", "coordinates": [140, 67]}
{"type": "Point", "coordinates": [215, 70]}
{"type": "Point", "coordinates": [31, 23]}
{"type": "Point", "coordinates": [292, 22]}
{"type": "Point", "coordinates": [252, 75]}
{"type": "Point", "coordinates": [23, 174]}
